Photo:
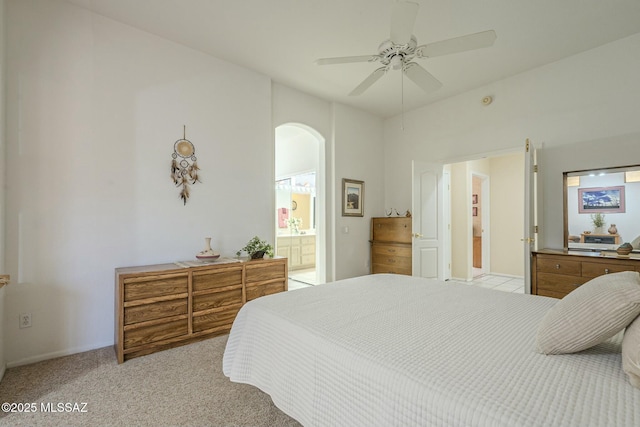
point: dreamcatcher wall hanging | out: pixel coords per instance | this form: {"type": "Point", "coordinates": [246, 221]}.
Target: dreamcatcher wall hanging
{"type": "Point", "coordinates": [184, 166]}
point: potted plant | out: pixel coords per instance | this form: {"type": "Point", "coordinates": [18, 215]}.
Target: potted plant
{"type": "Point", "coordinates": [598, 222]}
{"type": "Point", "coordinates": [257, 248]}
{"type": "Point", "coordinates": [294, 224]}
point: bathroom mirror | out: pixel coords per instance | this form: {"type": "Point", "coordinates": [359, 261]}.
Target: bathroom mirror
{"type": "Point", "coordinates": [602, 208]}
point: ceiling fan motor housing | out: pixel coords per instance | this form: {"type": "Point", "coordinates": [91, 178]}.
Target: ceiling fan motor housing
{"type": "Point", "coordinates": [396, 55]}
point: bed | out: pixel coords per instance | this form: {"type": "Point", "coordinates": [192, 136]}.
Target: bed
{"type": "Point", "coordinates": [390, 350]}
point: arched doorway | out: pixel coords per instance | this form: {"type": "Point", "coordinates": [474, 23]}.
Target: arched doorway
{"type": "Point", "coordinates": [300, 225]}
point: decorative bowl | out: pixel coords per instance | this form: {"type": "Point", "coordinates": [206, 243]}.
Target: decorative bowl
{"type": "Point", "coordinates": [624, 249]}
{"type": "Point", "coordinates": [208, 257]}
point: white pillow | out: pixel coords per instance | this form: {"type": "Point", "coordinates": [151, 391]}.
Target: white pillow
{"type": "Point", "coordinates": [591, 314]}
{"type": "Point", "coordinates": [631, 352]}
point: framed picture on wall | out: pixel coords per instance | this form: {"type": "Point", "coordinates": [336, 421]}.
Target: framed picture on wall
{"type": "Point", "coordinates": [601, 200]}
{"type": "Point", "coordinates": [352, 197]}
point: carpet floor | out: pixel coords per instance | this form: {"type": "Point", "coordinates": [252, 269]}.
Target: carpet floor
{"type": "Point", "coordinates": [183, 386]}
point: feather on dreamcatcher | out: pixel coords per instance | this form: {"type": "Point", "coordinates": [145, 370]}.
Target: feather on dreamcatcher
{"type": "Point", "coordinates": [184, 166]}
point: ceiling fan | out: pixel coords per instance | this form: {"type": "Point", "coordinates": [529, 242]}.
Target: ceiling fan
{"type": "Point", "coordinates": [402, 48]}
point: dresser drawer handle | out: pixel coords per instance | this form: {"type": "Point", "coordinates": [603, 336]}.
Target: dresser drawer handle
{"type": "Point", "coordinates": [557, 266]}
{"type": "Point", "coordinates": [606, 271]}
{"type": "Point", "coordinates": [391, 250]}
{"type": "Point", "coordinates": [391, 260]}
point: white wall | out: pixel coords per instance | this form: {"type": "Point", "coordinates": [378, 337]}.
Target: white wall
{"type": "Point", "coordinates": [359, 155]}
{"type": "Point", "coordinates": [592, 95]}
{"type": "Point", "coordinates": [93, 110]}
{"type": "Point", "coordinates": [2, 183]}
{"type": "Point", "coordinates": [295, 155]}
{"type": "Point", "coordinates": [507, 213]}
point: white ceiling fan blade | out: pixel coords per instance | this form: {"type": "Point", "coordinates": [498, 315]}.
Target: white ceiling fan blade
{"type": "Point", "coordinates": [366, 83]}
{"type": "Point", "coordinates": [457, 44]}
{"type": "Point", "coordinates": [347, 59]}
{"type": "Point", "coordinates": [402, 21]}
{"type": "Point", "coordinates": [422, 77]}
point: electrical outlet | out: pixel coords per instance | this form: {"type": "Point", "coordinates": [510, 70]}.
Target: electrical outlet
{"type": "Point", "coordinates": [25, 320]}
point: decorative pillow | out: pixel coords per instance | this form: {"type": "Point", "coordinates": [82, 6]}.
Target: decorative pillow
{"type": "Point", "coordinates": [631, 352]}
{"type": "Point", "coordinates": [591, 314]}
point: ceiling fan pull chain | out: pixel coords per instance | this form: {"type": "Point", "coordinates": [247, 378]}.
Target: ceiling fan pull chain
{"type": "Point", "coordinates": [402, 100]}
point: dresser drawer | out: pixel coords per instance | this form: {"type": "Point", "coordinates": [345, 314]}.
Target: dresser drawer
{"type": "Point", "coordinates": [396, 261]}
{"type": "Point", "coordinates": [558, 265]}
{"type": "Point", "coordinates": [156, 332]}
{"type": "Point", "coordinates": [217, 299]}
{"type": "Point", "coordinates": [391, 230]}
{"type": "Point", "coordinates": [558, 283]}
{"type": "Point", "coordinates": [153, 286]}
{"type": "Point", "coordinates": [551, 293]}
{"type": "Point", "coordinates": [208, 279]}
{"type": "Point", "coordinates": [598, 269]}
{"type": "Point", "coordinates": [254, 292]}
{"type": "Point", "coordinates": [390, 250]}
{"type": "Point", "coordinates": [220, 319]}
{"type": "Point", "coordinates": [261, 271]}
{"type": "Point", "coordinates": [156, 310]}
{"type": "Point", "coordinates": [395, 269]}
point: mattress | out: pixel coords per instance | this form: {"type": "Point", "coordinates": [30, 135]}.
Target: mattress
{"type": "Point", "coordinates": [390, 350]}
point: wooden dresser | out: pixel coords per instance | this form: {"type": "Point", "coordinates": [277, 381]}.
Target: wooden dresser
{"type": "Point", "coordinates": [555, 273]}
{"type": "Point", "coordinates": [163, 306]}
{"type": "Point", "coordinates": [391, 245]}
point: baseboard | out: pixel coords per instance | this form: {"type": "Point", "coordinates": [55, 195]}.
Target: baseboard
{"type": "Point", "coordinates": [3, 368]}
{"type": "Point", "coordinates": [56, 354]}
{"type": "Point", "coordinates": [513, 276]}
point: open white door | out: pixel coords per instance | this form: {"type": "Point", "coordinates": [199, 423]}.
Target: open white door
{"type": "Point", "coordinates": [530, 227]}
{"type": "Point", "coordinates": [427, 223]}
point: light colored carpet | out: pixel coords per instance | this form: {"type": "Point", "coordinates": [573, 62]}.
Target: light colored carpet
{"type": "Point", "coordinates": [183, 386]}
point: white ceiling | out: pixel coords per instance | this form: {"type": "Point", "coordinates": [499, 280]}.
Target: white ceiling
{"type": "Point", "coordinates": [283, 38]}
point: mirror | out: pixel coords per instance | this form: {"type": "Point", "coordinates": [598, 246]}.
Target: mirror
{"type": "Point", "coordinates": [602, 208]}
{"type": "Point", "coordinates": [296, 204]}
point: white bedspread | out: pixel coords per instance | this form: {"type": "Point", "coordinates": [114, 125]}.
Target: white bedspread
{"type": "Point", "coordinates": [387, 350]}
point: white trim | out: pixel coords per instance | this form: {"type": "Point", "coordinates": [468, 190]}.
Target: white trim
{"type": "Point", "coordinates": [60, 353]}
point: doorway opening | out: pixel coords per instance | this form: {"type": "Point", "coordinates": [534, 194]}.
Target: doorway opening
{"type": "Point", "coordinates": [480, 216]}
{"type": "Point", "coordinates": [300, 203]}
{"type": "Point", "coordinates": [487, 208]}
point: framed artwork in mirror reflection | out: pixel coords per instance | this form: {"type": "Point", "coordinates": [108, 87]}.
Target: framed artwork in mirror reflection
{"type": "Point", "coordinates": [601, 200]}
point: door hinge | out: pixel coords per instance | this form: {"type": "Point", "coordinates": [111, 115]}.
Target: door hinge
{"type": "Point", "coordinates": [527, 146]}
{"type": "Point", "coordinates": [535, 229]}
{"type": "Point", "coordinates": [535, 168]}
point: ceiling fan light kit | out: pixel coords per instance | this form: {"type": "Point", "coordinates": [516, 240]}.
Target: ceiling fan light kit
{"type": "Point", "coordinates": [398, 52]}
